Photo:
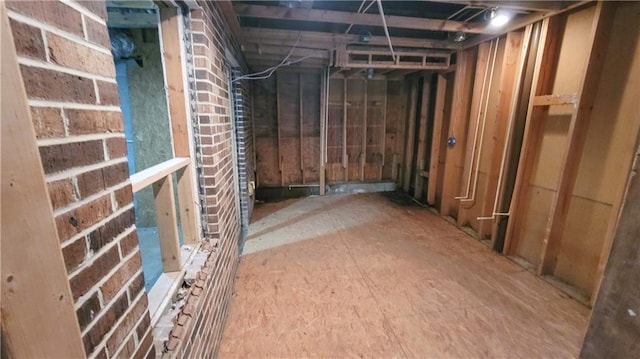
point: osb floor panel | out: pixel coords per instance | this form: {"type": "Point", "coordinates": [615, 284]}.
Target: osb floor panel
{"type": "Point", "coordinates": [373, 276]}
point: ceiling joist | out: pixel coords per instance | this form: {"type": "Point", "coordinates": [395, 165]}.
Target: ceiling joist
{"type": "Point", "coordinates": [342, 17]}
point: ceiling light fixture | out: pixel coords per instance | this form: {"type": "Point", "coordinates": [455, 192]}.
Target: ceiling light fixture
{"type": "Point", "coordinates": [498, 18]}
{"type": "Point", "coordinates": [458, 36]}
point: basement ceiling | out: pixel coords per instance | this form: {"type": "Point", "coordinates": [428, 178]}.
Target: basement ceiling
{"type": "Point", "coordinates": [329, 33]}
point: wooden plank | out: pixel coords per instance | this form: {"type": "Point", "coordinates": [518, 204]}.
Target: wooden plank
{"type": "Point", "coordinates": [301, 117]}
{"type": "Point", "coordinates": [578, 128]}
{"type": "Point", "coordinates": [410, 137]}
{"type": "Point", "coordinates": [345, 157]}
{"type": "Point", "coordinates": [153, 174]}
{"type": "Point", "coordinates": [438, 119]}
{"type": "Point", "coordinates": [288, 38]}
{"type": "Point", "coordinates": [36, 297]}
{"type": "Point", "coordinates": [278, 112]}
{"type": "Point", "coordinates": [422, 139]}
{"type": "Point", "coordinates": [344, 17]}
{"type": "Point", "coordinates": [543, 75]}
{"type": "Point", "coordinates": [613, 328]}
{"type": "Point", "coordinates": [167, 224]}
{"type": "Point", "coordinates": [323, 127]}
{"type": "Point", "coordinates": [555, 100]}
{"type": "Point", "coordinates": [384, 131]}
{"type": "Point", "coordinates": [188, 205]}
{"type": "Point", "coordinates": [461, 102]}
{"type": "Point", "coordinates": [363, 154]}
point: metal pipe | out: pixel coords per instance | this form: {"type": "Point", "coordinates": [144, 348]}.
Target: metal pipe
{"type": "Point", "coordinates": [475, 135]}
{"type": "Point", "coordinates": [363, 11]}
{"type": "Point", "coordinates": [386, 30]}
{"type": "Point", "coordinates": [512, 109]}
{"type": "Point", "coordinates": [484, 121]}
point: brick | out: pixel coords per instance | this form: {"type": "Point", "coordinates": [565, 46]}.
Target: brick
{"type": "Point", "coordinates": [78, 219]}
{"type": "Point", "coordinates": [117, 147]}
{"type": "Point", "coordinates": [54, 13]}
{"type": "Point", "coordinates": [39, 84]}
{"type": "Point", "coordinates": [28, 40]}
{"type": "Point", "coordinates": [89, 276]}
{"type": "Point", "coordinates": [97, 7]}
{"type": "Point", "coordinates": [108, 93]}
{"type": "Point", "coordinates": [95, 335]}
{"type": "Point", "coordinates": [143, 326]}
{"type": "Point", "coordinates": [137, 285]}
{"type": "Point", "coordinates": [97, 33]}
{"type": "Point", "coordinates": [125, 328]}
{"type": "Point", "coordinates": [129, 243]}
{"type": "Point", "coordinates": [88, 311]}
{"type": "Point", "coordinates": [113, 285]}
{"type": "Point", "coordinates": [124, 196]}
{"type": "Point", "coordinates": [103, 235]}
{"type": "Point", "coordinates": [47, 122]}
{"type": "Point", "coordinates": [82, 122]}
{"type": "Point", "coordinates": [62, 193]}
{"type": "Point", "coordinates": [56, 158]}
{"type": "Point", "coordinates": [116, 174]}
{"type": "Point", "coordinates": [90, 182]}
{"type": "Point", "coordinates": [143, 348]}
{"type": "Point", "coordinates": [75, 254]}
{"type": "Point", "coordinates": [68, 53]}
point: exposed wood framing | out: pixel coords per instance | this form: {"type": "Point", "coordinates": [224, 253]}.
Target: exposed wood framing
{"type": "Point", "coordinates": [363, 154]}
{"type": "Point", "coordinates": [167, 224]}
{"type": "Point", "coordinates": [323, 40]}
{"type": "Point", "coordinates": [324, 82]}
{"type": "Point", "coordinates": [422, 139]}
{"type": "Point", "coordinates": [345, 157]}
{"type": "Point", "coordinates": [278, 112]}
{"type": "Point", "coordinates": [36, 297]}
{"type": "Point", "coordinates": [462, 89]}
{"type": "Point", "coordinates": [436, 136]}
{"type": "Point", "coordinates": [555, 100]}
{"type": "Point", "coordinates": [153, 174]}
{"type": "Point", "coordinates": [410, 137]}
{"type": "Point", "coordinates": [598, 38]}
{"type": "Point", "coordinates": [543, 75]}
{"type": "Point", "coordinates": [343, 17]}
{"type": "Point", "coordinates": [301, 115]}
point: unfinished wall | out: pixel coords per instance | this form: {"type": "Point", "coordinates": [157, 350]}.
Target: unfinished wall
{"type": "Point", "coordinates": [69, 77]}
{"type": "Point", "coordinates": [200, 323]}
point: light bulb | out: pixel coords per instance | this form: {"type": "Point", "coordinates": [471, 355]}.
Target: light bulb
{"type": "Point", "coordinates": [500, 20]}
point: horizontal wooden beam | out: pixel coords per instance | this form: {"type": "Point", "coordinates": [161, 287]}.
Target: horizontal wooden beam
{"type": "Point", "coordinates": [555, 100]}
{"type": "Point", "coordinates": [153, 174]}
{"type": "Point", "coordinates": [513, 4]}
{"type": "Point", "coordinates": [329, 41]}
{"type": "Point", "coordinates": [284, 51]}
{"type": "Point", "coordinates": [343, 17]}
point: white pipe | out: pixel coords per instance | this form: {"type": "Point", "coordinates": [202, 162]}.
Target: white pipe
{"type": "Point", "coordinates": [484, 121]}
{"type": "Point", "coordinates": [514, 104]}
{"type": "Point", "coordinates": [359, 11]}
{"type": "Point", "coordinates": [475, 135]}
{"type": "Point", "coordinates": [386, 30]}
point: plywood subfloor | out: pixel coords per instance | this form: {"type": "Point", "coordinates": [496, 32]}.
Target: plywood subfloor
{"type": "Point", "coordinates": [374, 276]}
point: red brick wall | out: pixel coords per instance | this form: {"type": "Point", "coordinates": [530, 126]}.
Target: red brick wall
{"type": "Point", "coordinates": [69, 76]}
{"type": "Point", "coordinates": [199, 327]}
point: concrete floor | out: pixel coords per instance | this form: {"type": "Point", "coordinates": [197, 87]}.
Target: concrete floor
{"type": "Point", "coordinates": [374, 276]}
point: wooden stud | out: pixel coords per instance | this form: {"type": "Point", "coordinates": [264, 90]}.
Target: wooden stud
{"type": "Point", "coordinates": [578, 128]}
{"type": "Point", "coordinates": [187, 205]}
{"type": "Point", "coordinates": [462, 88]}
{"type": "Point", "coordinates": [278, 112]}
{"type": "Point", "coordinates": [345, 157]}
{"type": "Point", "coordinates": [555, 100]}
{"type": "Point", "coordinates": [153, 174]}
{"type": "Point", "coordinates": [384, 130]}
{"type": "Point", "coordinates": [36, 297]}
{"type": "Point", "coordinates": [543, 75]}
{"type": "Point", "coordinates": [323, 127]}
{"type": "Point", "coordinates": [301, 115]}
{"type": "Point", "coordinates": [410, 138]}
{"type": "Point", "coordinates": [422, 139]}
{"type": "Point", "coordinates": [167, 224]}
{"type": "Point", "coordinates": [363, 154]}
{"type": "Point", "coordinates": [436, 137]}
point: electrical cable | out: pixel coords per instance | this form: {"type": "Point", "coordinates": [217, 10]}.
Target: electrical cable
{"type": "Point", "coordinates": [386, 30]}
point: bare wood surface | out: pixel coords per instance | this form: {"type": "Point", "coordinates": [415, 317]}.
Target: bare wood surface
{"type": "Point", "coordinates": [167, 224]}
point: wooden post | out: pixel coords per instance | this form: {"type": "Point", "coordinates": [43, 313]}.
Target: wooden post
{"type": "Point", "coordinates": [512, 69]}
{"type": "Point", "coordinates": [345, 157]}
{"type": "Point", "coordinates": [363, 154]}
{"type": "Point", "coordinates": [279, 131]}
{"type": "Point", "coordinates": [323, 126]}
{"type": "Point", "coordinates": [36, 297]}
{"type": "Point", "coordinates": [384, 129]}
{"type": "Point", "coordinates": [175, 79]}
{"type": "Point", "coordinates": [422, 139]}
{"type": "Point", "coordinates": [576, 137]}
{"type": "Point", "coordinates": [300, 101]}
{"type": "Point", "coordinates": [436, 137]}
{"type": "Point", "coordinates": [462, 89]}
{"type": "Point", "coordinates": [543, 75]}
{"type": "Point", "coordinates": [410, 138]}
{"type": "Point", "coordinates": [167, 224]}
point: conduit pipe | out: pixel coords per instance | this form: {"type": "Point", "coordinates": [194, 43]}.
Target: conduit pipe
{"type": "Point", "coordinates": [512, 110]}
{"type": "Point", "coordinates": [386, 29]}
